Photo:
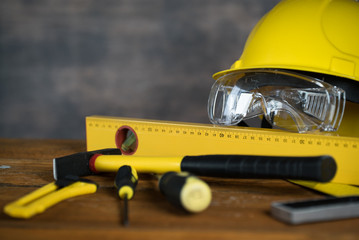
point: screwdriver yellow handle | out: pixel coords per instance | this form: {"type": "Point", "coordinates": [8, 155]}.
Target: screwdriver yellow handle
{"type": "Point", "coordinates": [126, 181]}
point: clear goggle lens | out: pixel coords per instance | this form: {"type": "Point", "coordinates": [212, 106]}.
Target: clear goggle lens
{"type": "Point", "coordinates": [286, 99]}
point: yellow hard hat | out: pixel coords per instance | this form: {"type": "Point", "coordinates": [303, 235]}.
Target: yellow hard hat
{"type": "Point", "coordinates": [310, 35]}
{"type": "Point", "coordinates": [317, 37]}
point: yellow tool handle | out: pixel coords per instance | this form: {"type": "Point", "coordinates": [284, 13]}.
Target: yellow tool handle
{"type": "Point", "coordinates": [316, 168]}
{"type": "Point", "coordinates": [45, 197]}
{"type": "Point", "coordinates": [159, 165]}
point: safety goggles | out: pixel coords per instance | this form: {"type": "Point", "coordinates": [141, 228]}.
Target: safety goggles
{"type": "Point", "coordinates": [286, 99]}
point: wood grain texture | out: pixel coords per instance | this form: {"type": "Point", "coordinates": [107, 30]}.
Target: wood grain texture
{"type": "Point", "coordinates": [239, 209]}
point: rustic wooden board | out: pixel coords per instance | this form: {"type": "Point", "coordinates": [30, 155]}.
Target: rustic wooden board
{"type": "Point", "coordinates": [239, 209]}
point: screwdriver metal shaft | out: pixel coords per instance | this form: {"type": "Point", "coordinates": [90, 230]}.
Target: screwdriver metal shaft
{"type": "Point", "coordinates": [125, 220]}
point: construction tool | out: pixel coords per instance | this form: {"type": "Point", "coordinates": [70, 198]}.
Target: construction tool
{"type": "Point", "coordinates": [168, 138]}
{"type": "Point", "coordinates": [314, 168]}
{"type": "Point", "coordinates": [186, 191]}
{"type": "Point", "coordinates": [77, 164]}
{"type": "Point", "coordinates": [66, 186]}
{"type": "Point", "coordinates": [41, 199]}
{"type": "Point", "coordinates": [126, 182]}
{"type": "Point", "coordinates": [315, 210]}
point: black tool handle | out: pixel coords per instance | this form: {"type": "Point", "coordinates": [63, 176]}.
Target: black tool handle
{"type": "Point", "coordinates": [318, 168]}
{"type": "Point", "coordinates": [78, 164]}
{"type": "Point", "coordinates": [126, 181]}
{"type": "Point", "coordinates": [170, 185]}
{"type": "Point", "coordinates": [186, 191]}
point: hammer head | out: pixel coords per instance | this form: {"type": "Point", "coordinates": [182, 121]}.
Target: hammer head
{"type": "Point", "coordinates": [78, 164]}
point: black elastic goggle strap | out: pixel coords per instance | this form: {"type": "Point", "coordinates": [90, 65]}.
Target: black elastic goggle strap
{"type": "Point", "coordinates": [242, 124]}
{"type": "Point", "coordinates": [351, 87]}
{"type": "Point", "coordinates": [265, 78]}
{"type": "Point", "coordinates": [264, 124]}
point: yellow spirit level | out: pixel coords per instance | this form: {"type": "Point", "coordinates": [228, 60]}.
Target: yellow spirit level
{"type": "Point", "coordinates": [164, 138]}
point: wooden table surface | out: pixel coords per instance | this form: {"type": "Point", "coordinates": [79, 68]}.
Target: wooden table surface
{"type": "Point", "coordinates": [239, 208]}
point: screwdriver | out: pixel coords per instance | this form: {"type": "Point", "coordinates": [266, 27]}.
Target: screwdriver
{"type": "Point", "coordinates": [126, 181]}
{"type": "Point", "coordinates": [186, 191]}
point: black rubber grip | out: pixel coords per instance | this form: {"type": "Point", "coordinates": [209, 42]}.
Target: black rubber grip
{"type": "Point", "coordinates": [78, 164]}
{"type": "Point", "coordinates": [318, 168]}
{"type": "Point", "coordinates": [124, 177]}
{"type": "Point", "coordinates": [170, 185]}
